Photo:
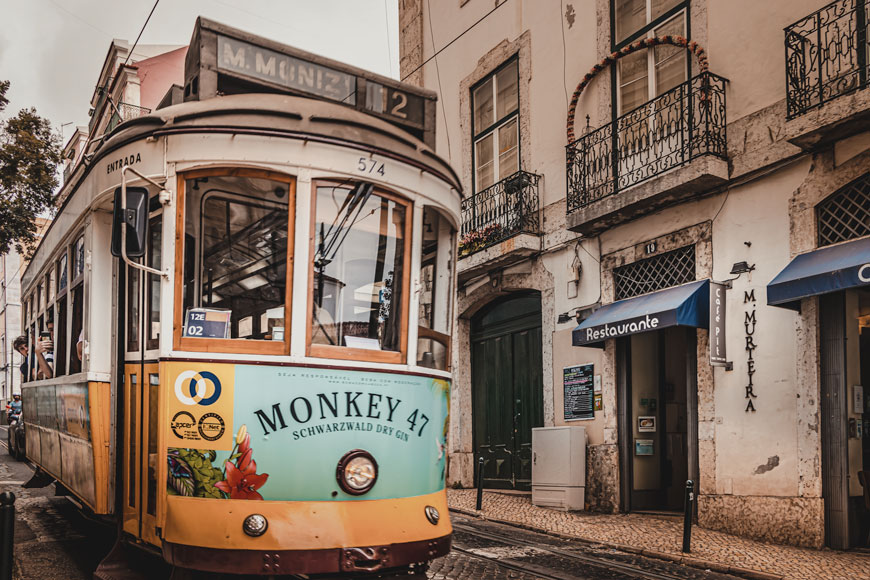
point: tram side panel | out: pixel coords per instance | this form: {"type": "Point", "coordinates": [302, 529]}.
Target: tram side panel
{"type": "Point", "coordinates": [236, 433]}
{"type": "Point", "coordinates": [67, 432]}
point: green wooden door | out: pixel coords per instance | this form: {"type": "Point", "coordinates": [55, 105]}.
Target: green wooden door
{"type": "Point", "coordinates": [507, 387]}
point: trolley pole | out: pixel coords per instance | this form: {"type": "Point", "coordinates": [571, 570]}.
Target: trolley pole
{"type": "Point", "coordinates": [479, 484]}
{"type": "Point", "coordinates": [7, 532]}
{"type": "Point", "coordinates": [687, 516]}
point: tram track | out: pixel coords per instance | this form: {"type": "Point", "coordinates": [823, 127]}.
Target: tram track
{"type": "Point", "coordinates": [537, 558]}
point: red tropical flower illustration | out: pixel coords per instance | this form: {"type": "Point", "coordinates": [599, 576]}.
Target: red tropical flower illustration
{"type": "Point", "coordinates": [242, 480]}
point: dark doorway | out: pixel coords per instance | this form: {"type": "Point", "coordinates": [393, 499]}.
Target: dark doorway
{"type": "Point", "coordinates": [658, 427]}
{"type": "Point", "coordinates": [507, 388]}
{"type": "Point", "coordinates": [844, 322]}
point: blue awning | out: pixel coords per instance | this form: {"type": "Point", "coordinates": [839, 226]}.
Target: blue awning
{"type": "Point", "coordinates": [686, 305]}
{"type": "Point", "coordinates": [820, 272]}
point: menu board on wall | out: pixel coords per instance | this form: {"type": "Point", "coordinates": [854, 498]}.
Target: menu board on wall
{"type": "Point", "coordinates": [578, 383]}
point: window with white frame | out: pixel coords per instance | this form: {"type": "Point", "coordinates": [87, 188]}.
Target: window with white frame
{"type": "Point", "coordinates": [495, 126]}
{"type": "Point", "coordinates": [648, 73]}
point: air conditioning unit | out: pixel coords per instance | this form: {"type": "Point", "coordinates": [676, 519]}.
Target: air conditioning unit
{"type": "Point", "coordinates": [559, 467]}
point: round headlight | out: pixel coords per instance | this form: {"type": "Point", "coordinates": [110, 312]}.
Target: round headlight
{"type": "Point", "coordinates": [255, 525]}
{"type": "Point", "coordinates": [357, 472]}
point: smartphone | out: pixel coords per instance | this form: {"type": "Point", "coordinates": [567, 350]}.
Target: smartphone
{"type": "Point", "coordinates": [45, 335]}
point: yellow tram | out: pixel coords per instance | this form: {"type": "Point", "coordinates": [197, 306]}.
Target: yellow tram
{"type": "Point", "coordinates": [250, 293]}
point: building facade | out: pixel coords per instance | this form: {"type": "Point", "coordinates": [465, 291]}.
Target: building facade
{"type": "Point", "coordinates": [671, 199]}
{"type": "Point", "coordinates": [12, 265]}
{"type": "Point", "coordinates": [129, 85]}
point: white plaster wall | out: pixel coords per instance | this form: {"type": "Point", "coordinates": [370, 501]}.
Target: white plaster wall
{"type": "Point", "coordinates": [548, 93]}
{"type": "Point", "coordinates": [746, 441]}
{"type": "Point", "coordinates": [564, 354]}
{"type": "Point", "coordinates": [756, 213]}
{"type": "Point", "coordinates": [561, 265]}
{"type": "Point", "coordinates": [746, 45]}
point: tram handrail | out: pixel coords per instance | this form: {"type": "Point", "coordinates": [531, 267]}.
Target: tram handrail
{"type": "Point", "coordinates": [163, 196]}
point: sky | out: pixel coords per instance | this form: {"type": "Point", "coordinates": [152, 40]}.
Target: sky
{"type": "Point", "coordinates": [52, 50]}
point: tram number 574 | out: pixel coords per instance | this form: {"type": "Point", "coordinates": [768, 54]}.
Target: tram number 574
{"type": "Point", "coordinates": [370, 166]}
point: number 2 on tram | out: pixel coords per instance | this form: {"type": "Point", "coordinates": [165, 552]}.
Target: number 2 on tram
{"type": "Point", "coordinates": [266, 366]}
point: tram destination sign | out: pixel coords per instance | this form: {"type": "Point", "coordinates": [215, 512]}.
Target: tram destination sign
{"type": "Point", "coordinates": [225, 60]}
{"type": "Point", "coordinates": [237, 56]}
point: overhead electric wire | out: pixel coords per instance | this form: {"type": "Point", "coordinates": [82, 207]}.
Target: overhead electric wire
{"type": "Point", "coordinates": [389, 47]}
{"type": "Point", "coordinates": [153, 8]}
{"type": "Point", "coordinates": [79, 18]}
{"type": "Point", "coordinates": [443, 48]}
{"type": "Point", "coordinates": [438, 76]}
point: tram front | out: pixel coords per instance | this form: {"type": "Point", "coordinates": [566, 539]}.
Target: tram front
{"type": "Point", "coordinates": [285, 386]}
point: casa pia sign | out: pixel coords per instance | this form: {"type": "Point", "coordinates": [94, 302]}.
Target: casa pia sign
{"type": "Point", "coordinates": [296, 423]}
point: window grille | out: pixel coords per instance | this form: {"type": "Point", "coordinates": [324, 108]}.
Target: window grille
{"type": "Point", "coordinates": [846, 214]}
{"type": "Point", "coordinates": [663, 271]}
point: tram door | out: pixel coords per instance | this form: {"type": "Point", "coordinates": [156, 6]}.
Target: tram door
{"type": "Point", "coordinates": [141, 386]}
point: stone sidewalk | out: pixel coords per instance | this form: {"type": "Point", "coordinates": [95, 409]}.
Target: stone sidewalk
{"type": "Point", "coordinates": [662, 537]}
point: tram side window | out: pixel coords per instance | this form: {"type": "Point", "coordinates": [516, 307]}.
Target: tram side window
{"type": "Point", "coordinates": [235, 257]}
{"type": "Point", "coordinates": [132, 309]}
{"type": "Point", "coordinates": [155, 234]}
{"type": "Point", "coordinates": [77, 304]}
{"type": "Point", "coordinates": [359, 268]}
{"type": "Point", "coordinates": [436, 278]}
{"type": "Point", "coordinates": [62, 319]}
{"type": "Point", "coordinates": [75, 363]}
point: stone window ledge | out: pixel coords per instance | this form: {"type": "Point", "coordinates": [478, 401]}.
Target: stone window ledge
{"type": "Point", "coordinates": [498, 256]}
{"type": "Point", "coordinates": [834, 120]}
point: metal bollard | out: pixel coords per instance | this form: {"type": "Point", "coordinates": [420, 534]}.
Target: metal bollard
{"type": "Point", "coordinates": [7, 533]}
{"type": "Point", "coordinates": [479, 484]}
{"type": "Point", "coordinates": [687, 516]}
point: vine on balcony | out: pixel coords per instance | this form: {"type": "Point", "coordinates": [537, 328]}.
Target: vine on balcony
{"type": "Point", "coordinates": [477, 240]}
{"type": "Point", "coordinates": [641, 44]}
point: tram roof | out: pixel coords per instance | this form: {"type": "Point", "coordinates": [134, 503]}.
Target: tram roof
{"type": "Point", "coordinates": [284, 116]}
{"type": "Point", "coordinates": [270, 115]}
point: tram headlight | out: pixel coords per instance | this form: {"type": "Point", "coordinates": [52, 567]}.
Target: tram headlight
{"type": "Point", "coordinates": [432, 514]}
{"type": "Point", "coordinates": [357, 472]}
{"type": "Point", "coordinates": [255, 525]}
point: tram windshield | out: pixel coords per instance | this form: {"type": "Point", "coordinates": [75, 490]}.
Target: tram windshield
{"type": "Point", "coordinates": [359, 267]}
{"type": "Point", "coordinates": [235, 261]}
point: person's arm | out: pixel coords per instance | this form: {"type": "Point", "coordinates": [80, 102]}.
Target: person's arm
{"type": "Point", "coordinates": [43, 370]}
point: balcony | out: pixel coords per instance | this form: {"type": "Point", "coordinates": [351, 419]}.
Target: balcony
{"type": "Point", "coordinates": [826, 74]}
{"type": "Point", "coordinates": [666, 150]}
{"type": "Point", "coordinates": [125, 112]}
{"type": "Point", "coordinates": [500, 225]}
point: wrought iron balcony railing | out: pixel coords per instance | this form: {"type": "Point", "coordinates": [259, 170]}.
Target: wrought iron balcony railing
{"type": "Point", "coordinates": [125, 112]}
{"type": "Point", "coordinates": [684, 123]}
{"type": "Point", "coordinates": [826, 55]}
{"type": "Point", "coordinates": [499, 212]}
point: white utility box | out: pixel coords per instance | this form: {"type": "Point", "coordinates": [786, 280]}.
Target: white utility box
{"type": "Point", "coordinates": [559, 467]}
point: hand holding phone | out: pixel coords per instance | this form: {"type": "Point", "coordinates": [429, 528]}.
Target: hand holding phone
{"type": "Point", "coordinates": [45, 344]}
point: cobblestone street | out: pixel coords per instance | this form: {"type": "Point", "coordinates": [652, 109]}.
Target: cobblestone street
{"type": "Point", "coordinates": [54, 541]}
{"type": "Point", "coordinates": [661, 536]}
